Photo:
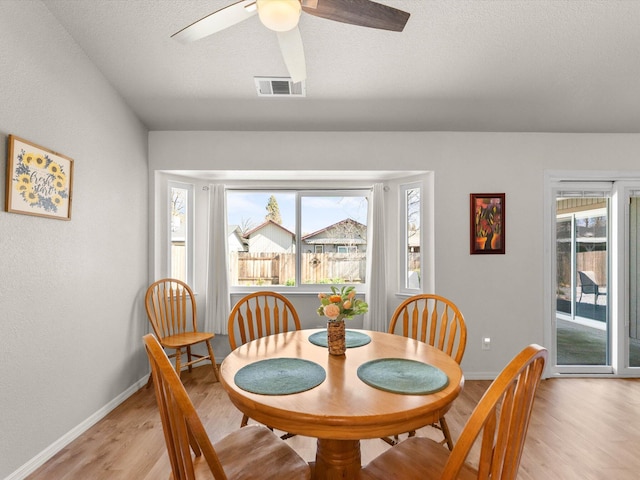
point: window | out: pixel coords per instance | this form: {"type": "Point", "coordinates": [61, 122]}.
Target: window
{"type": "Point", "coordinates": [297, 237]}
{"type": "Point", "coordinates": [411, 240]}
{"type": "Point", "coordinates": [181, 231]}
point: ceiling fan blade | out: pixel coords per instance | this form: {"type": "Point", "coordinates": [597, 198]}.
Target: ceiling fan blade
{"type": "Point", "coordinates": [364, 13]}
{"type": "Point", "coordinates": [216, 21]}
{"type": "Point", "coordinates": [293, 54]}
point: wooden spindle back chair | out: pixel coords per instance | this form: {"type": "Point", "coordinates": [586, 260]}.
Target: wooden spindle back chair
{"type": "Point", "coordinates": [257, 315]}
{"type": "Point", "coordinates": [500, 422]}
{"type": "Point", "coordinates": [435, 320]}
{"type": "Point", "coordinates": [432, 319]}
{"type": "Point", "coordinates": [171, 309]}
{"type": "Point", "coordinates": [245, 454]}
{"type": "Point", "coordinates": [260, 314]}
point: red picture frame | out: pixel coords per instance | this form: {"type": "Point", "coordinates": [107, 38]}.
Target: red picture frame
{"type": "Point", "coordinates": [487, 223]}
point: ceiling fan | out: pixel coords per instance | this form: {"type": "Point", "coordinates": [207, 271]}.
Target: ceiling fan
{"type": "Point", "coordinates": [282, 17]}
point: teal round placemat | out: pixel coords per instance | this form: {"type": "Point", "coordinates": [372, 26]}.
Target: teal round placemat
{"type": "Point", "coordinates": [399, 375]}
{"type": "Point", "coordinates": [352, 339]}
{"type": "Point", "coordinates": [280, 376]}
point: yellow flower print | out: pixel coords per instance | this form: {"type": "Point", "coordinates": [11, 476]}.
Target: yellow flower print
{"type": "Point", "coordinates": [28, 158]}
{"type": "Point", "coordinates": [39, 161]}
{"type": "Point", "coordinates": [57, 200]}
{"type": "Point", "coordinates": [24, 179]}
{"type": "Point", "coordinates": [32, 197]}
{"type": "Point", "coordinates": [23, 187]}
{"type": "Point", "coordinates": [54, 168]}
{"type": "Point", "coordinates": [59, 184]}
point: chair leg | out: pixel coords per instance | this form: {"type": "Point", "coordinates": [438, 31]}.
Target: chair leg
{"type": "Point", "coordinates": [447, 434]}
{"type": "Point", "coordinates": [149, 380]}
{"type": "Point", "coordinates": [244, 421]}
{"type": "Point", "coordinates": [213, 360]}
{"type": "Point", "coordinates": [178, 366]}
{"type": "Point", "coordinates": [285, 436]}
{"type": "Point", "coordinates": [389, 440]}
{"type": "Point", "coordinates": [189, 359]}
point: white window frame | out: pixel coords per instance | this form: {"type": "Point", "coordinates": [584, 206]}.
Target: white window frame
{"type": "Point", "coordinates": [403, 243]}
{"type": "Point", "coordinates": [189, 231]}
{"type": "Point", "coordinates": [300, 192]}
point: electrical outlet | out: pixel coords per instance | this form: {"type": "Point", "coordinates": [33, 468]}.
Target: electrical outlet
{"type": "Point", "coordinates": [486, 343]}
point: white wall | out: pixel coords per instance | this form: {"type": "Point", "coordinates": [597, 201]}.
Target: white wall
{"type": "Point", "coordinates": [71, 319]}
{"type": "Point", "coordinates": [500, 295]}
{"type": "Point", "coordinates": [70, 299]}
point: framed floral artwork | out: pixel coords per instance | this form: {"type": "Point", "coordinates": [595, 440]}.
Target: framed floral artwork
{"type": "Point", "coordinates": [39, 181]}
{"type": "Point", "coordinates": [487, 212]}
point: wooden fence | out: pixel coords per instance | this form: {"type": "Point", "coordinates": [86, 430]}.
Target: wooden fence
{"type": "Point", "coordinates": [248, 268]}
{"type": "Point", "coordinates": [585, 261]}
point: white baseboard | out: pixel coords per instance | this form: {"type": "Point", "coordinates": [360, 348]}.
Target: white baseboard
{"type": "Point", "coordinates": [40, 459]}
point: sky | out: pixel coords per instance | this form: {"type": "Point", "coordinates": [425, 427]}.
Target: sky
{"type": "Point", "coordinates": [318, 212]}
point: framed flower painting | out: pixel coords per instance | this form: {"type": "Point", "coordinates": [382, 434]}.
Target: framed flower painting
{"type": "Point", "coordinates": [487, 233]}
{"type": "Point", "coordinates": [39, 181]}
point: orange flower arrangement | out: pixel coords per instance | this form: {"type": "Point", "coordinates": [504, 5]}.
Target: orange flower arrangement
{"type": "Point", "coordinates": [341, 304]}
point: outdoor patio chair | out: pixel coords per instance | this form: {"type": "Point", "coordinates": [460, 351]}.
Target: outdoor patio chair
{"type": "Point", "coordinates": [589, 285]}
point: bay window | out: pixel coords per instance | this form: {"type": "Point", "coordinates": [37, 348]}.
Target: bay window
{"type": "Point", "coordinates": [294, 237]}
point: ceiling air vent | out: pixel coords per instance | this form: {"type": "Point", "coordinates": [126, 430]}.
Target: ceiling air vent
{"type": "Point", "coordinates": [279, 87]}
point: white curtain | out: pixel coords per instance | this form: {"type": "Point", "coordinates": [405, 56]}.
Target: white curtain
{"type": "Point", "coordinates": [376, 318]}
{"type": "Point", "coordinates": [217, 304]}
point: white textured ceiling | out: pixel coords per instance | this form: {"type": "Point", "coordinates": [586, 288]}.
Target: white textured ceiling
{"type": "Point", "coordinates": [459, 65]}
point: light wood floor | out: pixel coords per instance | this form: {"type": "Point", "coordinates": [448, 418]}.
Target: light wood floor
{"type": "Point", "coordinates": [582, 428]}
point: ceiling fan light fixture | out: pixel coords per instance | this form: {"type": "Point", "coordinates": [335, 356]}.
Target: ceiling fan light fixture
{"type": "Point", "coordinates": [279, 15]}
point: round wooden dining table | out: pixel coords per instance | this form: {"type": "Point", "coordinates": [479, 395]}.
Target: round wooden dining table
{"type": "Point", "coordinates": [341, 410]}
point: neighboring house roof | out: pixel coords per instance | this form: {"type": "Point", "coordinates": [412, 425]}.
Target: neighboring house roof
{"type": "Point", "coordinates": [263, 225]}
{"type": "Point", "coordinates": [235, 232]}
{"type": "Point", "coordinates": [335, 241]}
{"type": "Point", "coordinates": [330, 239]}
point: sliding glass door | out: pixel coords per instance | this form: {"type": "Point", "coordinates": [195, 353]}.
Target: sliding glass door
{"type": "Point", "coordinates": [633, 332]}
{"type": "Point", "coordinates": [582, 319]}
{"type": "Point", "coordinates": [595, 277]}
